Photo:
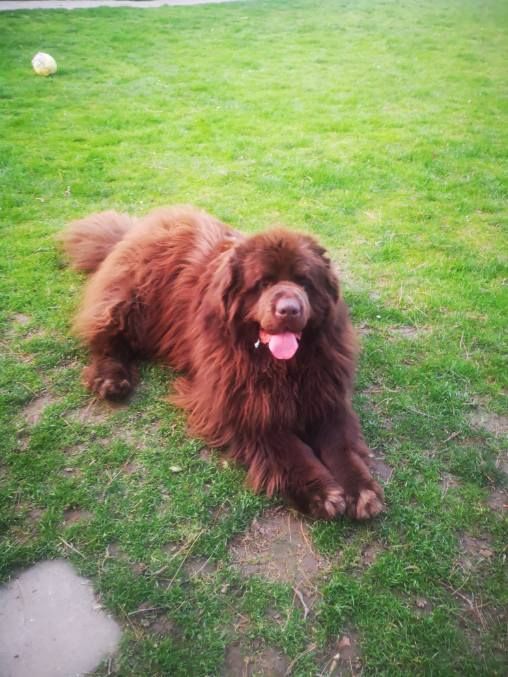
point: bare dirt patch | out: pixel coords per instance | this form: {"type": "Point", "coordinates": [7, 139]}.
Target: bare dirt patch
{"type": "Point", "coordinates": [154, 620]}
{"type": "Point", "coordinates": [448, 481]}
{"type": "Point", "coordinates": [206, 454]}
{"type": "Point", "coordinates": [199, 567]}
{"type": "Point", "coordinates": [23, 441]}
{"type": "Point", "coordinates": [93, 413]}
{"type": "Point", "coordinates": [408, 332]}
{"type": "Point", "coordinates": [495, 424]}
{"type": "Point", "coordinates": [75, 449]}
{"type": "Point", "coordinates": [75, 515]}
{"type": "Point", "coordinates": [21, 319]}
{"type": "Point", "coordinates": [342, 658]}
{"type": "Point", "coordinates": [502, 464]}
{"type": "Point", "coordinates": [498, 500]}
{"type": "Point", "coordinates": [139, 568]}
{"type": "Point", "coordinates": [130, 468]}
{"type": "Point", "coordinates": [115, 551]}
{"type": "Point", "coordinates": [278, 547]}
{"type": "Point", "coordinates": [27, 530]}
{"type": "Point", "coordinates": [474, 551]}
{"type": "Point", "coordinates": [477, 617]}
{"type": "Point", "coordinates": [373, 389]}
{"type": "Point", "coordinates": [370, 553]}
{"type": "Point", "coordinates": [381, 470]}
{"type": "Point", "coordinates": [72, 472]}
{"type": "Point", "coordinates": [18, 328]}
{"type": "Point", "coordinates": [240, 661]}
{"type": "Point", "coordinates": [364, 329]}
{"type": "Point", "coordinates": [422, 606]}
{"type": "Point", "coordinates": [35, 514]}
{"type": "Point", "coordinates": [34, 409]}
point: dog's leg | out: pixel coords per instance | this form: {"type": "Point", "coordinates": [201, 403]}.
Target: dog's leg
{"type": "Point", "coordinates": [111, 373]}
{"type": "Point", "coordinates": [341, 448]}
{"type": "Point", "coordinates": [284, 464]}
{"type": "Point", "coordinates": [110, 323]}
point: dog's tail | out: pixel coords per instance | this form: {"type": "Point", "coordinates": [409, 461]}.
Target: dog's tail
{"type": "Point", "coordinates": [88, 241]}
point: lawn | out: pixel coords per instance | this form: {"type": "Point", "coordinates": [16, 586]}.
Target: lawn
{"type": "Point", "coordinates": [381, 128]}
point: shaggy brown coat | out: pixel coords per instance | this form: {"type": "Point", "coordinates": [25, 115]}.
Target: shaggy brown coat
{"type": "Point", "coordinates": [182, 287]}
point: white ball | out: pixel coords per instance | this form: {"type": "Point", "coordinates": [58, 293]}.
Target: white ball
{"type": "Point", "coordinates": [44, 64]}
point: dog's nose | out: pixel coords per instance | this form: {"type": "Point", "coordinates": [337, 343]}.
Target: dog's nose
{"type": "Point", "coordinates": [288, 307]}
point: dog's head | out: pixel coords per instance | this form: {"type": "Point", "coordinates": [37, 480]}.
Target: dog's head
{"type": "Point", "coordinates": [276, 285]}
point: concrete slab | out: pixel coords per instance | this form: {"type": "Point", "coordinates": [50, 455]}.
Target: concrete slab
{"type": "Point", "coordinates": [51, 624]}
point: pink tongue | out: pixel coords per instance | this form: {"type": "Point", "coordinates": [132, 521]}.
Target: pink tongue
{"type": "Point", "coordinates": [283, 346]}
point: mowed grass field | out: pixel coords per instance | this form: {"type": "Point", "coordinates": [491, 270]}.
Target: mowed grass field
{"type": "Point", "coordinates": [381, 128]}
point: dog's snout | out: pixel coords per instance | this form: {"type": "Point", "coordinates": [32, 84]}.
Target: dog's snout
{"type": "Point", "coordinates": [288, 308]}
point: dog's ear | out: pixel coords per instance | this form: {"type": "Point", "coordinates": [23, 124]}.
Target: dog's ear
{"type": "Point", "coordinates": [332, 280]}
{"type": "Point", "coordinates": [329, 273]}
{"type": "Point", "coordinates": [225, 285]}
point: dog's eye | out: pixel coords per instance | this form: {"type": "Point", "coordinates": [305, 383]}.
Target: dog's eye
{"type": "Point", "coordinates": [263, 283]}
{"type": "Point", "coordinates": [302, 281]}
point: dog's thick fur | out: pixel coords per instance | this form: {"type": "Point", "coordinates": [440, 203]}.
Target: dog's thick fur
{"type": "Point", "coordinates": [181, 287]}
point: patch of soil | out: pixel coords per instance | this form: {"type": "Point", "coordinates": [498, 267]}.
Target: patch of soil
{"type": "Point", "coordinates": [495, 424]}
{"type": "Point", "coordinates": [34, 409]}
{"type": "Point", "coordinates": [273, 615]}
{"type": "Point", "coordinates": [370, 553]}
{"type": "Point", "coordinates": [474, 551]}
{"type": "Point", "coordinates": [277, 546]}
{"type": "Point", "coordinates": [477, 618]}
{"type": "Point", "coordinates": [74, 515]}
{"type": "Point", "coordinates": [422, 606]}
{"type": "Point", "coordinates": [72, 472]}
{"type": "Point", "coordinates": [130, 438]}
{"type": "Point", "coordinates": [154, 620]}
{"type": "Point", "coordinates": [76, 449]}
{"type": "Point", "coordinates": [25, 531]}
{"type": "Point", "coordinates": [172, 549]}
{"type": "Point", "coordinates": [448, 481]}
{"type": "Point", "coordinates": [373, 389]}
{"type": "Point", "coordinates": [502, 464]}
{"type": "Point", "coordinates": [139, 568]}
{"type": "Point", "coordinates": [23, 442]}
{"type": "Point", "coordinates": [220, 512]}
{"type": "Point", "coordinates": [342, 658]}
{"type": "Point", "coordinates": [498, 500]}
{"type": "Point", "coordinates": [124, 435]}
{"type": "Point", "coordinates": [408, 332]}
{"type": "Point", "coordinates": [35, 514]}
{"type": "Point", "coordinates": [363, 329]}
{"type": "Point", "coordinates": [93, 413]}
{"type": "Point", "coordinates": [381, 469]}
{"type": "Point", "coordinates": [242, 662]}
{"type": "Point", "coordinates": [163, 627]}
{"type": "Point", "coordinates": [206, 454]}
{"type": "Point", "coordinates": [130, 468]}
{"type": "Point", "coordinates": [21, 319]}
{"type": "Point", "coordinates": [196, 567]}
{"type": "Point", "coordinates": [114, 551]}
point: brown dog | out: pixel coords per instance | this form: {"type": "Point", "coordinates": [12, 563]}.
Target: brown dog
{"type": "Point", "coordinates": [259, 331]}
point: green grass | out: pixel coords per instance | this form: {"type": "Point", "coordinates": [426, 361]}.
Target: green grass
{"type": "Point", "coordinates": [378, 126]}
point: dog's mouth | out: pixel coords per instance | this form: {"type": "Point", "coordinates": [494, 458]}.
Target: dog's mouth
{"type": "Point", "coordinates": [282, 346]}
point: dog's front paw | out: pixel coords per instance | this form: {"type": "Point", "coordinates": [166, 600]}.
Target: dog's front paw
{"type": "Point", "coordinates": [327, 502]}
{"type": "Point", "coordinates": [111, 389]}
{"type": "Point", "coordinates": [107, 386]}
{"type": "Point", "coordinates": [366, 503]}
